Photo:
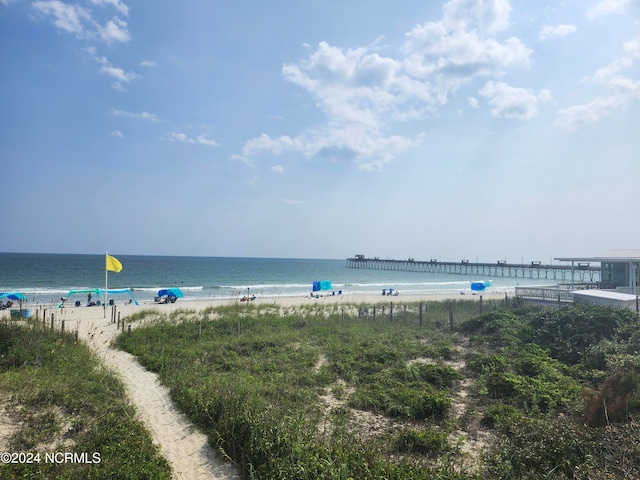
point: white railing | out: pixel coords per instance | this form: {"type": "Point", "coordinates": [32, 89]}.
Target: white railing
{"type": "Point", "coordinates": [545, 294]}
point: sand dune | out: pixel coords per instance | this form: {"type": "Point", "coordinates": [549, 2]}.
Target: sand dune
{"type": "Point", "coordinates": [183, 446]}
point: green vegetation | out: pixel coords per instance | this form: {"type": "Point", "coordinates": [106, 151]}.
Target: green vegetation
{"type": "Point", "coordinates": [433, 391]}
{"type": "Point", "coordinates": [358, 392]}
{"type": "Point", "coordinates": [60, 399]}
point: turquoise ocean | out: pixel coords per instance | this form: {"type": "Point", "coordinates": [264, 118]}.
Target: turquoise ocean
{"type": "Point", "coordinates": [45, 278]}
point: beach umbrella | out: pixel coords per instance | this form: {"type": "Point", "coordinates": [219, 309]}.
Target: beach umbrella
{"type": "Point", "coordinates": [15, 296]}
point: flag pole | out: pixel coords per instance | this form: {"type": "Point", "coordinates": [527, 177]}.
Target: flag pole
{"type": "Point", "coordinates": [106, 283]}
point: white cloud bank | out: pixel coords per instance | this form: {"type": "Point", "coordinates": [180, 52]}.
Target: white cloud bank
{"type": "Point", "coordinates": [364, 94]}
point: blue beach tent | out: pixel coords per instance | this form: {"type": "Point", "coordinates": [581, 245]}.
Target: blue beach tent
{"type": "Point", "coordinates": [170, 292]}
{"type": "Point", "coordinates": [322, 285]}
{"type": "Point", "coordinates": [480, 286]}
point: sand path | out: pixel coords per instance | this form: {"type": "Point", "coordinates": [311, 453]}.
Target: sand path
{"type": "Point", "coordinates": [186, 449]}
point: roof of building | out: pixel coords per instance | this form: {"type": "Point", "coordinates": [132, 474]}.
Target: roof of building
{"type": "Point", "coordinates": [605, 294]}
{"type": "Point", "coordinates": [612, 256]}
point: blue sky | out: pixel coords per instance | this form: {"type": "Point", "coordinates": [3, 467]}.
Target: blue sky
{"type": "Point", "coordinates": [476, 129]}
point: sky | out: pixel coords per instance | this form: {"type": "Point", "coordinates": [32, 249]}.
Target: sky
{"type": "Point", "coordinates": [464, 129]}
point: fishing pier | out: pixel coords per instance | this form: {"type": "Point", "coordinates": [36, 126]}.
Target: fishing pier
{"type": "Point", "coordinates": [582, 272]}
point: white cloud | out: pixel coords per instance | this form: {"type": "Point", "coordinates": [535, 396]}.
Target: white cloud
{"type": "Point", "coordinates": [633, 47]}
{"type": "Point", "coordinates": [608, 7]}
{"type": "Point", "coordinates": [363, 92]}
{"type": "Point", "coordinates": [606, 74]}
{"type": "Point", "coordinates": [114, 30]}
{"type": "Point", "coordinates": [117, 133]}
{"type": "Point", "coordinates": [473, 102]}
{"type": "Point", "coordinates": [579, 115]}
{"type": "Point", "coordinates": [486, 16]}
{"type": "Point", "coordinates": [152, 117]}
{"type": "Point", "coordinates": [148, 63]}
{"type": "Point", "coordinates": [79, 21]}
{"type": "Point", "coordinates": [621, 89]}
{"type": "Point", "coordinates": [200, 139]}
{"type": "Point", "coordinates": [264, 143]}
{"type": "Point", "coordinates": [69, 18]}
{"type": "Point", "coordinates": [277, 169]}
{"type": "Point", "coordinates": [116, 73]}
{"type": "Point", "coordinates": [512, 102]}
{"type": "Point", "coordinates": [117, 4]}
{"type": "Point", "coordinates": [556, 31]}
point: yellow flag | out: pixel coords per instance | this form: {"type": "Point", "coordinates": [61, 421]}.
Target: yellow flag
{"type": "Point", "coordinates": [113, 264]}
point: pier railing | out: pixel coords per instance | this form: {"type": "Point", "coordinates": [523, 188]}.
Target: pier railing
{"type": "Point", "coordinates": [580, 273]}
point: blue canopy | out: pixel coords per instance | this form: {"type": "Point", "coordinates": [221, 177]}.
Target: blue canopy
{"type": "Point", "coordinates": [322, 285]}
{"type": "Point", "coordinates": [171, 292]}
{"type": "Point", "coordinates": [480, 286]}
{"type": "Point", "coordinates": [16, 296]}
{"type": "Point", "coordinates": [100, 292]}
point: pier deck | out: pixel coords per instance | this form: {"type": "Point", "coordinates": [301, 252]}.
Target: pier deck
{"type": "Point", "coordinates": [580, 273]}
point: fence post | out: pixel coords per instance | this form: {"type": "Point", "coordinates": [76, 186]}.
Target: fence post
{"type": "Point", "coordinates": [374, 313]}
{"type": "Point", "coordinates": [391, 311]}
{"type": "Point", "coordinates": [129, 329]}
{"type": "Point", "coordinates": [199, 328]}
{"type": "Point", "coordinates": [62, 327]}
{"type": "Point", "coordinates": [52, 321]}
{"type": "Point", "coordinates": [480, 304]}
{"type": "Point", "coordinates": [343, 314]}
{"type": "Point", "coordinates": [451, 316]}
{"type": "Point", "coordinates": [420, 313]}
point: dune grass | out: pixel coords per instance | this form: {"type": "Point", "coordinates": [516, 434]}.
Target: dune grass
{"type": "Point", "coordinates": [349, 392]}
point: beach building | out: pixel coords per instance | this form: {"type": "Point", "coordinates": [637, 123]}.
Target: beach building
{"type": "Point", "coordinates": [618, 286]}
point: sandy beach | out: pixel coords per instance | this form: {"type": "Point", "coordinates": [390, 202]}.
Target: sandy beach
{"type": "Point", "coordinates": [183, 446]}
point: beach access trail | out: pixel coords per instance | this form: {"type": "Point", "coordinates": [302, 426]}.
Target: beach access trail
{"type": "Point", "coordinates": [187, 450]}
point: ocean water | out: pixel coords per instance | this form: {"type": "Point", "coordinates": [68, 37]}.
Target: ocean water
{"type": "Point", "coordinates": [45, 278]}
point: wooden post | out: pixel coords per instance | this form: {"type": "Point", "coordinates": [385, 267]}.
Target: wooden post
{"type": "Point", "coordinates": [129, 329]}
{"type": "Point", "coordinates": [391, 311]}
{"type": "Point", "coordinates": [343, 314]}
{"type": "Point", "coordinates": [451, 316]}
{"type": "Point", "coordinates": [52, 321]}
{"type": "Point", "coordinates": [118, 318]}
{"type": "Point", "coordinates": [374, 313]}
{"type": "Point", "coordinates": [199, 328]}
{"type": "Point", "coordinates": [420, 316]}
{"type": "Point", "coordinates": [76, 336]}
{"type": "Point", "coordinates": [480, 304]}
{"type": "Point", "coordinates": [62, 327]}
